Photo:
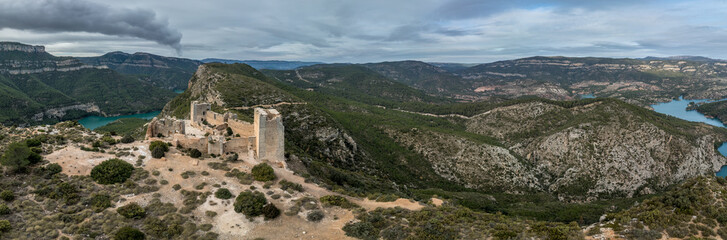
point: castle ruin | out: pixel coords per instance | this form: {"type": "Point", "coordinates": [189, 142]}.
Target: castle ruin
{"type": "Point", "coordinates": [207, 131]}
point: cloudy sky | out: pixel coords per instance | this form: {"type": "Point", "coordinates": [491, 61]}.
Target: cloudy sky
{"type": "Point", "coordinates": [472, 31]}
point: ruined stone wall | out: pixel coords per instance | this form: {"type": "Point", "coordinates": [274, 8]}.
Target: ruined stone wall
{"type": "Point", "coordinates": [240, 145]}
{"type": "Point", "coordinates": [195, 143]}
{"type": "Point", "coordinates": [269, 133]}
{"type": "Point", "coordinates": [214, 118]}
{"type": "Point", "coordinates": [241, 127]}
{"type": "Point", "coordinates": [165, 126]}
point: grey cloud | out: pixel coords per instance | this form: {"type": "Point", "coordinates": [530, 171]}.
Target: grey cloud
{"type": "Point", "coordinates": [83, 16]}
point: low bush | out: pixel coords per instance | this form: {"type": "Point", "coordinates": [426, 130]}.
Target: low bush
{"type": "Point", "coordinates": [132, 210]}
{"type": "Point", "coordinates": [5, 226]}
{"type": "Point", "coordinates": [270, 211]}
{"type": "Point", "coordinates": [194, 153]}
{"type": "Point", "coordinates": [263, 172]}
{"type": "Point", "coordinates": [250, 203]}
{"type": "Point", "coordinates": [99, 202]}
{"type": "Point", "coordinates": [286, 185]}
{"type": "Point", "coordinates": [129, 233]}
{"type": "Point", "coordinates": [4, 209]}
{"type": "Point", "coordinates": [223, 193]}
{"type": "Point", "coordinates": [315, 216]}
{"type": "Point", "coordinates": [112, 171]}
{"type": "Point", "coordinates": [332, 200]}
{"type": "Point", "coordinates": [7, 195]}
{"type": "Point", "coordinates": [127, 139]}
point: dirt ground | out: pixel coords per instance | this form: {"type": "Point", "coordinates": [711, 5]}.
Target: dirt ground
{"type": "Point", "coordinates": [227, 223]}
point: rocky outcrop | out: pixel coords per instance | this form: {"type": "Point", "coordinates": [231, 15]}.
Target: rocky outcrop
{"type": "Point", "coordinates": [601, 149]}
{"type": "Point", "coordinates": [59, 112]}
{"type": "Point", "coordinates": [12, 46]}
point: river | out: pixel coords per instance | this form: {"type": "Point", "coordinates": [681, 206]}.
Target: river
{"type": "Point", "coordinates": [678, 108]}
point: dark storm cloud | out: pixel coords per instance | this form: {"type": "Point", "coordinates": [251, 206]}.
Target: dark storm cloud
{"type": "Point", "coordinates": [83, 16]}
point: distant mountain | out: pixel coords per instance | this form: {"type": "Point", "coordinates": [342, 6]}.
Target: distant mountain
{"type": "Point", "coordinates": [452, 67]}
{"type": "Point", "coordinates": [272, 65]}
{"type": "Point", "coordinates": [424, 76]}
{"type": "Point", "coordinates": [164, 72]}
{"type": "Point", "coordinates": [37, 87]}
{"type": "Point", "coordinates": [685, 58]}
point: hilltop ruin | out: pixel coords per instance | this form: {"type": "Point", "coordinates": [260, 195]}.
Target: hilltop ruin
{"type": "Point", "coordinates": [220, 134]}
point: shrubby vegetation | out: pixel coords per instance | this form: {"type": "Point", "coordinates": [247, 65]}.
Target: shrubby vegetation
{"type": "Point", "coordinates": [132, 210]}
{"type": "Point", "coordinates": [112, 171]}
{"type": "Point", "coordinates": [158, 149]}
{"type": "Point", "coordinates": [333, 200]}
{"type": "Point", "coordinates": [129, 233]}
{"type": "Point", "coordinates": [250, 203]}
{"type": "Point", "coordinates": [263, 172]}
{"type": "Point", "coordinates": [223, 193]}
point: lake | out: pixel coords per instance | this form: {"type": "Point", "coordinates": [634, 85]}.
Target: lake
{"type": "Point", "coordinates": [93, 122]}
{"type": "Point", "coordinates": [678, 108]}
{"type": "Point", "coordinates": [585, 96]}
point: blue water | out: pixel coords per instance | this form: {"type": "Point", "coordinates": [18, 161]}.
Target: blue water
{"type": "Point", "coordinates": [590, 95]}
{"type": "Point", "coordinates": [678, 108]}
{"type": "Point", "coordinates": [178, 91]}
{"type": "Point", "coordinates": [94, 122]}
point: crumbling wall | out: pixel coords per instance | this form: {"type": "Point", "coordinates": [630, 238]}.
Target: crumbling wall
{"type": "Point", "coordinates": [195, 143]}
{"type": "Point", "coordinates": [243, 128]}
{"type": "Point", "coordinates": [214, 118]}
{"type": "Point", "coordinates": [239, 145]}
{"type": "Point", "coordinates": [165, 126]}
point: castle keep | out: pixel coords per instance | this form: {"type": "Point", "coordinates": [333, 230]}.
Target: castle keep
{"type": "Point", "coordinates": [207, 131]}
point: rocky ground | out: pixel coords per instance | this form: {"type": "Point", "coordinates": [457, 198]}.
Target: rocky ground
{"type": "Point", "coordinates": [227, 223]}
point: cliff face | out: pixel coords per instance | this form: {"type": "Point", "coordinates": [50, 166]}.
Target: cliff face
{"type": "Point", "coordinates": [16, 58]}
{"type": "Point", "coordinates": [12, 46]}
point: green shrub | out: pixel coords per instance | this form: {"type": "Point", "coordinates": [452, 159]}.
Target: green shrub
{"type": "Point", "coordinates": [210, 213]}
{"type": "Point", "coordinates": [270, 211]}
{"type": "Point", "coordinates": [315, 216]}
{"type": "Point", "coordinates": [176, 187]}
{"type": "Point", "coordinates": [99, 202]}
{"type": "Point", "coordinates": [223, 193]}
{"type": "Point", "coordinates": [127, 139]}
{"type": "Point", "coordinates": [159, 144]}
{"type": "Point", "coordinates": [4, 209]}
{"type": "Point", "coordinates": [132, 210]}
{"type": "Point", "coordinates": [250, 203]}
{"type": "Point", "coordinates": [5, 226]}
{"type": "Point", "coordinates": [286, 185]}
{"type": "Point", "coordinates": [263, 172]}
{"type": "Point", "coordinates": [361, 230]}
{"type": "Point", "coordinates": [333, 200]}
{"type": "Point", "coordinates": [16, 156]}
{"type": "Point", "coordinates": [194, 153]}
{"type": "Point", "coordinates": [7, 195]}
{"type": "Point", "coordinates": [157, 152]}
{"type": "Point", "coordinates": [52, 169]}
{"type": "Point", "coordinates": [112, 171]}
{"type": "Point", "coordinates": [129, 233]}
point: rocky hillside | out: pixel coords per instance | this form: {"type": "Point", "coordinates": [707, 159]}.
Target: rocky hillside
{"type": "Point", "coordinates": [37, 87]}
{"type": "Point", "coordinates": [164, 72]}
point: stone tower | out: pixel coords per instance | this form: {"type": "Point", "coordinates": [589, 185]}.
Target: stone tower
{"type": "Point", "coordinates": [269, 135]}
{"type": "Point", "coordinates": [198, 110]}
